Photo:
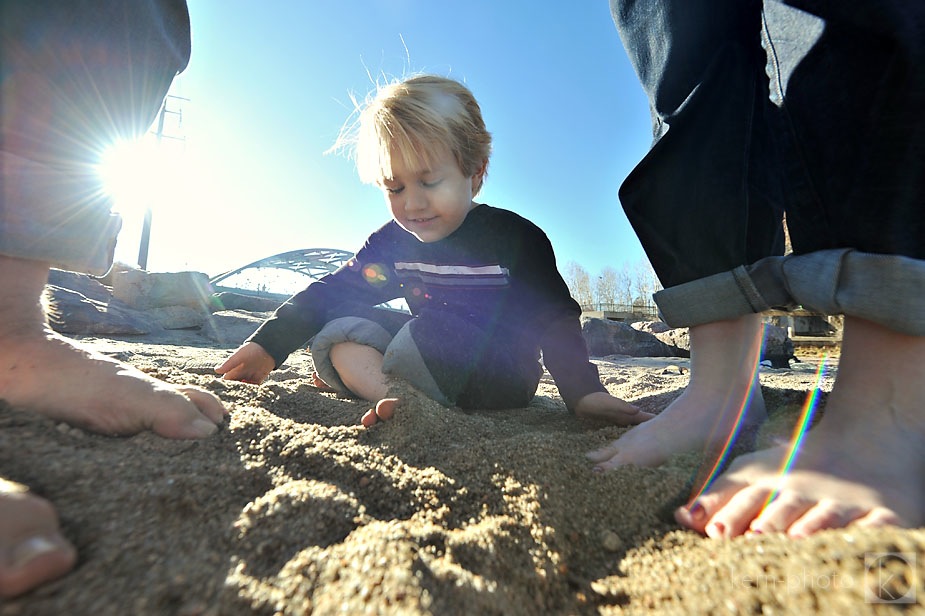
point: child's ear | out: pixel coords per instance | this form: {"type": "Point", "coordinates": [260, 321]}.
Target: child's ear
{"type": "Point", "coordinates": [479, 177]}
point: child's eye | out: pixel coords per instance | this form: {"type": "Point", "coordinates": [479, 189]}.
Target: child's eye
{"type": "Point", "coordinates": [429, 184]}
{"type": "Point", "coordinates": [394, 190]}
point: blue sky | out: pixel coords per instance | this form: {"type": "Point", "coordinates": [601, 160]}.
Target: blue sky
{"type": "Point", "coordinates": [269, 87]}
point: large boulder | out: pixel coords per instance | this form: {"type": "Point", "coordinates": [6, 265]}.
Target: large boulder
{"type": "Point", "coordinates": [72, 312]}
{"type": "Point", "coordinates": [228, 300]}
{"type": "Point", "coordinates": [143, 290]}
{"type": "Point", "coordinates": [232, 327]}
{"type": "Point", "coordinates": [653, 327]}
{"type": "Point", "coordinates": [604, 337]}
{"type": "Point", "coordinates": [146, 303]}
{"type": "Point", "coordinates": [678, 337]}
{"type": "Point", "coordinates": [87, 286]}
{"type": "Point", "coordinates": [776, 347]}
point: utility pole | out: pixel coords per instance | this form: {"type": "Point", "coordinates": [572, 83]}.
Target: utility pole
{"type": "Point", "coordinates": [146, 225]}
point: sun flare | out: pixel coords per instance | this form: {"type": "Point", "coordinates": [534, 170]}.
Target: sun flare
{"type": "Point", "coordinates": [135, 174]}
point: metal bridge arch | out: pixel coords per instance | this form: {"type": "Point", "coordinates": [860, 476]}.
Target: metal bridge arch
{"type": "Point", "coordinates": [312, 262]}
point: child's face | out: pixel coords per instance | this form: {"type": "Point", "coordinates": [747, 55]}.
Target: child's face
{"type": "Point", "coordinates": [430, 203]}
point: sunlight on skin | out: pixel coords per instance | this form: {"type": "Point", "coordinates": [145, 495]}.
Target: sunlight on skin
{"type": "Point", "coordinates": [799, 431]}
{"type": "Point", "coordinates": [723, 455]}
{"type": "Point", "coordinates": [796, 440]}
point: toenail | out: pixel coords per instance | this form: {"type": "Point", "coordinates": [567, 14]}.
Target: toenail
{"type": "Point", "coordinates": [30, 549]}
{"type": "Point", "coordinates": [203, 428]}
{"type": "Point", "coordinates": [697, 512]}
{"type": "Point", "coordinates": [718, 529]}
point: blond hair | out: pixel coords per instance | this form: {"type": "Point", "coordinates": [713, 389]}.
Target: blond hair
{"type": "Point", "coordinates": [418, 119]}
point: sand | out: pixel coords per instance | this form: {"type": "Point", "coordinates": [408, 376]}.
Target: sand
{"type": "Point", "coordinates": [292, 508]}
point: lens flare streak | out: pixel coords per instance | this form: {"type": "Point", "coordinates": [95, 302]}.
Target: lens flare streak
{"type": "Point", "coordinates": [724, 452]}
{"type": "Point", "coordinates": [800, 429]}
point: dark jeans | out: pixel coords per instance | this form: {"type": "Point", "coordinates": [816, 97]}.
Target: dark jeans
{"type": "Point", "coordinates": [809, 108]}
{"type": "Point", "coordinates": [449, 358]}
{"type": "Point", "coordinates": [76, 76]}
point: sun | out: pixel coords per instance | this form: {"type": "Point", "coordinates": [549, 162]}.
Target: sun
{"type": "Point", "coordinates": [133, 174]}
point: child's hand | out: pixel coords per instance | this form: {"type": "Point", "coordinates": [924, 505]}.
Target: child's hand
{"type": "Point", "coordinates": [250, 364]}
{"type": "Point", "coordinates": [602, 406]}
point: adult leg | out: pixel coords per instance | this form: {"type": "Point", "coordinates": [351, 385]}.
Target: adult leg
{"type": "Point", "coordinates": [75, 76]}
{"type": "Point", "coordinates": [697, 215]}
{"type": "Point", "coordinates": [722, 397]}
{"type": "Point", "coordinates": [865, 460]}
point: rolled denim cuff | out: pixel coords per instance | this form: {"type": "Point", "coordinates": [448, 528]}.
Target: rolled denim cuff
{"type": "Point", "coordinates": [885, 289]}
{"type": "Point", "coordinates": [720, 297]}
{"type": "Point", "coordinates": [55, 217]}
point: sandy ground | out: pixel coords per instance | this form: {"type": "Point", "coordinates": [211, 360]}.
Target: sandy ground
{"type": "Point", "coordinates": [293, 509]}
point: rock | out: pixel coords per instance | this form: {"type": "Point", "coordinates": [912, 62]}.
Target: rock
{"type": "Point", "coordinates": [679, 337]}
{"type": "Point", "coordinates": [71, 312]}
{"type": "Point", "coordinates": [231, 327]}
{"type": "Point", "coordinates": [227, 300]}
{"type": "Point", "coordinates": [611, 541]}
{"type": "Point", "coordinates": [777, 346]}
{"type": "Point", "coordinates": [88, 286]}
{"type": "Point", "coordinates": [145, 290]}
{"type": "Point", "coordinates": [177, 317]}
{"type": "Point", "coordinates": [148, 303]}
{"type": "Point", "coordinates": [653, 327]}
{"type": "Point", "coordinates": [605, 337]}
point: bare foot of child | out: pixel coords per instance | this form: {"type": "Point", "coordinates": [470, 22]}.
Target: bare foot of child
{"type": "Point", "coordinates": [384, 410]}
{"type": "Point", "coordinates": [319, 383]}
{"type": "Point", "coordinates": [724, 359]}
{"type": "Point", "coordinates": [32, 550]}
{"type": "Point", "coordinates": [54, 376]}
{"type": "Point", "coordinates": [862, 464]}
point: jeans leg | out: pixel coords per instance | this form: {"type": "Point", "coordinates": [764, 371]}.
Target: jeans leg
{"type": "Point", "coordinates": [76, 76]}
{"type": "Point", "coordinates": [852, 87]}
{"type": "Point", "coordinates": [692, 200]}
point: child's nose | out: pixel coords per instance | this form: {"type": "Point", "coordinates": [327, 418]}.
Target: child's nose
{"type": "Point", "coordinates": [415, 200]}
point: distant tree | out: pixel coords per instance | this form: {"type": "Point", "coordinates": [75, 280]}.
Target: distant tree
{"type": "Point", "coordinates": [625, 285]}
{"type": "Point", "coordinates": [645, 282]}
{"type": "Point", "coordinates": [579, 283]}
{"type": "Point", "coordinates": [607, 287]}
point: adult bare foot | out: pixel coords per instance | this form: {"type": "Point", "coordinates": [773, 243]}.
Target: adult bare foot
{"type": "Point", "coordinates": [723, 387]}
{"type": "Point", "coordinates": [50, 375]}
{"type": "Point", "coordinates": [384, 410]}
{"type": "Point", "coordinates": [864, 463]}
{"type": "Point", "coordinates": [32, 550]}
{"type": "Point", "coordinates": [54, 376]}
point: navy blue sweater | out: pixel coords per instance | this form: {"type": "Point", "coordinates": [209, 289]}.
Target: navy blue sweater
{"type": "Point", "coordinates": [498, 271]}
